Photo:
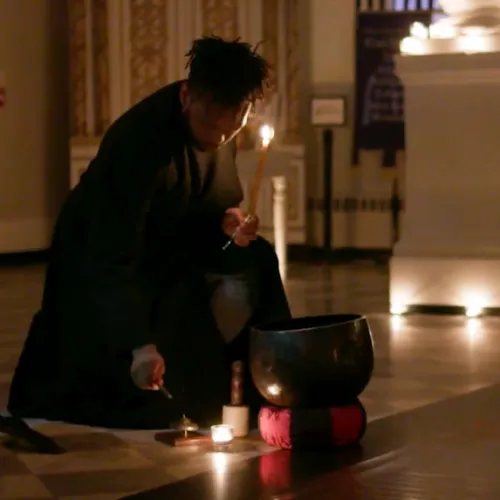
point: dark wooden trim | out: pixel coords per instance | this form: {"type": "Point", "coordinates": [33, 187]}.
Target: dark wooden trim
{"type": "Point", "coordinates": [313, 254]}
{"type": "Point", "coordinates": [446, 310]}
{"type": "Point", "coordinates": [24, 258]}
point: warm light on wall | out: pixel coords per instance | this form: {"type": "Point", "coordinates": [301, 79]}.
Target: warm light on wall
{"type": "Point", "coordinates": [419, 30]}
{"type": "Point", "coordinates": [473, 311]}
{"type": "Point", "coordinates": [442, 30]}
{"type": "Point", "coordinates": [397, 323]}
{"type": "Point", "coordinates": [474, 331]}
{"type": "Point", "coordinates": [471, 44]}
{"type": "Point", "coordinates": [443, 37]}
{"type": "Point", "coordinates": [474, 303]}
{"type": "Point", "coordinates": [398, 308]}
{"type": "Point", "coordinates": [401, 300]}
{"type": "Point", "coordinates": [412, 46]}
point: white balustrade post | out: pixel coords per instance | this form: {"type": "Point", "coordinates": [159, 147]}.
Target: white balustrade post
{"type": "Point", "coordinates": [280, 217]}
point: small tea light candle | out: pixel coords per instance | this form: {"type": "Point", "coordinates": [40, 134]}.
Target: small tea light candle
{"type": "Point", "coordinates": [222, 436]}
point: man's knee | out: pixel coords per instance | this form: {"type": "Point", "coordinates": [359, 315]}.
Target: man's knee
{"type": "Point", "coordinates": [264, 251]}
{"type": "Point", "coordinates": [253, 258]}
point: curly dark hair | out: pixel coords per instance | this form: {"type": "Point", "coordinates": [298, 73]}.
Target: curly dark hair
{"type": "Point", "coordinates": [231, 72]}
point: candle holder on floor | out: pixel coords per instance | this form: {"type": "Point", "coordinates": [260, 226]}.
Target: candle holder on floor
{"type": "Point", "coordinates": [222, 437]}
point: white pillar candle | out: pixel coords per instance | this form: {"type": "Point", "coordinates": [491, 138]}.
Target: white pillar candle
{"type": "Point", "coordinates": [236, 417]}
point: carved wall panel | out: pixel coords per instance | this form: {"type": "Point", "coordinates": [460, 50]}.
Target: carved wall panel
{"type": "Point", "coordinates": [294, 187]}
{"type": "Point", "coordinates": [270, 38]}
{"type": "Point", "coordinates": [220, 18]}
{"type": "Point", "coordinates": [292, 74]}
{"type": "Point", "coordinates": [77, 47]}
{"type": "Point", "coordinates": [148, 47]}
{"type": "Point", "coordinates": [281, 48]}
{"type": "Point", "coordinates": [100, 57]}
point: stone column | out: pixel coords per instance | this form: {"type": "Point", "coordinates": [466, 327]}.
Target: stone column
{"type": "Point", "coordinates": [449, 252]}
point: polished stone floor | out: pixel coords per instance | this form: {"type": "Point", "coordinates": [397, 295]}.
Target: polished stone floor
{"type": "Point", "coordinates": [432, 405]}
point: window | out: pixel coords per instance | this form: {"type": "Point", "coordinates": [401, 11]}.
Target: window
{"type": "Point", "coordinates": [433, 5]}
{"type": "Point", "coordinates": [416, 5]}
{"type": "Point", "coordinates": [401, 5]}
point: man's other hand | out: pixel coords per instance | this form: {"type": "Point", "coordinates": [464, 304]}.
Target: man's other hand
{"type": "Point", "coordinates": [148, 368]}
{"type": "Point", "coordinates": [243, 227]}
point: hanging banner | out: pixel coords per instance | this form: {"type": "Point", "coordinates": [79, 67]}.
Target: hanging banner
{"type": "Point", "coordinates": [380, 93]}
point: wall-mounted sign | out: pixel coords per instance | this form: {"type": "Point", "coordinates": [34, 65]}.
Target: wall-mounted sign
{"type": "Point", "coordinates": [380, 109]}
{"type": "Point", "coordinates": [328, 112]}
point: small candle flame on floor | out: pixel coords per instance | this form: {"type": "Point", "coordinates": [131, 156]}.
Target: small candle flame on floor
{"type": "Point", "coordinates": [222, 434]}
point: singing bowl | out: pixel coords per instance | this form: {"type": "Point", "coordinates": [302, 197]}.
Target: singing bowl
{"type": "Point", "coordinates": [315, 361]}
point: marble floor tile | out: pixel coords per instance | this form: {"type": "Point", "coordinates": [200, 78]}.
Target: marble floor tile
{"type": "Point", "coordinates": [104, 482]}
{"type": "Point", "coordinates": [112, 496]}
{"type": "Point", "coordinates": [22, 487]}
{"type": "Point", "coordinates": [85, 461]}
{"type": "Point", "coordinates": [419, 360]}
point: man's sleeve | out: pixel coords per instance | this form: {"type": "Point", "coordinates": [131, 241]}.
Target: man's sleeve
{"type": "Point", "coordinates": [121, 294]}
{"type": "Point", "coordinates": [212, 230]}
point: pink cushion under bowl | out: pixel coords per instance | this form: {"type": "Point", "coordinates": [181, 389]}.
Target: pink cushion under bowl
{"type": "Point", "coordinates": [293, 428]}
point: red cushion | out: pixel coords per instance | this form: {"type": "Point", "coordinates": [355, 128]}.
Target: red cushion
{"type": "Point", "coordinates": [292, 428]}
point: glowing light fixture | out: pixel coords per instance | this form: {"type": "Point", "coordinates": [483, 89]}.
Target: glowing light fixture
{"type": "Point", "coordinates": [442, 30]}
{"type": "Point", "coordinates": [474, 311]}
{"type": "Point", "coordinates": [445, 37]}
{"type": "Point", "coordinates": [475, 303]}
{"type": "Point", "coordinates": [398, 309]}
{"type": "Point", "coordinates": [419, 30]}
{"type": "Point", "coordinates": [412, 46]}
{"type": "Point", "coordinates": [473, 42]}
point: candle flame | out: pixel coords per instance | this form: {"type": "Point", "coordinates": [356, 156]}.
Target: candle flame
{"type": "Point", "coordinates": [222, 434]}
{"type": "Point", "coordinates": [267, 134]}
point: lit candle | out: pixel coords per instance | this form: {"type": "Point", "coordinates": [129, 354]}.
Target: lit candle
{"type": "Point", "coordinates": [222, 436]}
{"type": "Point", "coordinates": [266, 134]}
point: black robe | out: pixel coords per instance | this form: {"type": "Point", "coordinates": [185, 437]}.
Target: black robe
{"type": "Point", "coordinates": [129, 254]}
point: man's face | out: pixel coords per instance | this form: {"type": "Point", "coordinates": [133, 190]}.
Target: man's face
{"type": "Point", "coordinates": [211, 124]}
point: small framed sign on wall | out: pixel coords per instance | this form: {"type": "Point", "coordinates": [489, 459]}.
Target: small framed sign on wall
{"type": "Point", "coordinates": [328, 111]}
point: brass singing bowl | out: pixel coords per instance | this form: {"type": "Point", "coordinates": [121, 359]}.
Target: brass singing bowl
{"type": "Point", "coordinates": [315, 361]}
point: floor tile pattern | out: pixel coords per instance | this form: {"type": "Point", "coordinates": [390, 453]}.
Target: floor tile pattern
{"type": "Point", "coordinates": [446, 451]}
{"type": "Point", "coordinates": [419, 361]}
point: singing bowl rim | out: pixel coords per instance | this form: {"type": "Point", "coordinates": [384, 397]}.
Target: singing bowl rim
{"type": "Point", "coordinates": [273, 326]}
{"type": "Point", "coordinates": [328, 330]}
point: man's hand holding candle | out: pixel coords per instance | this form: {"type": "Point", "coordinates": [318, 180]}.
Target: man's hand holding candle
{"type": "Point", "coordinates": [240, 226]}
